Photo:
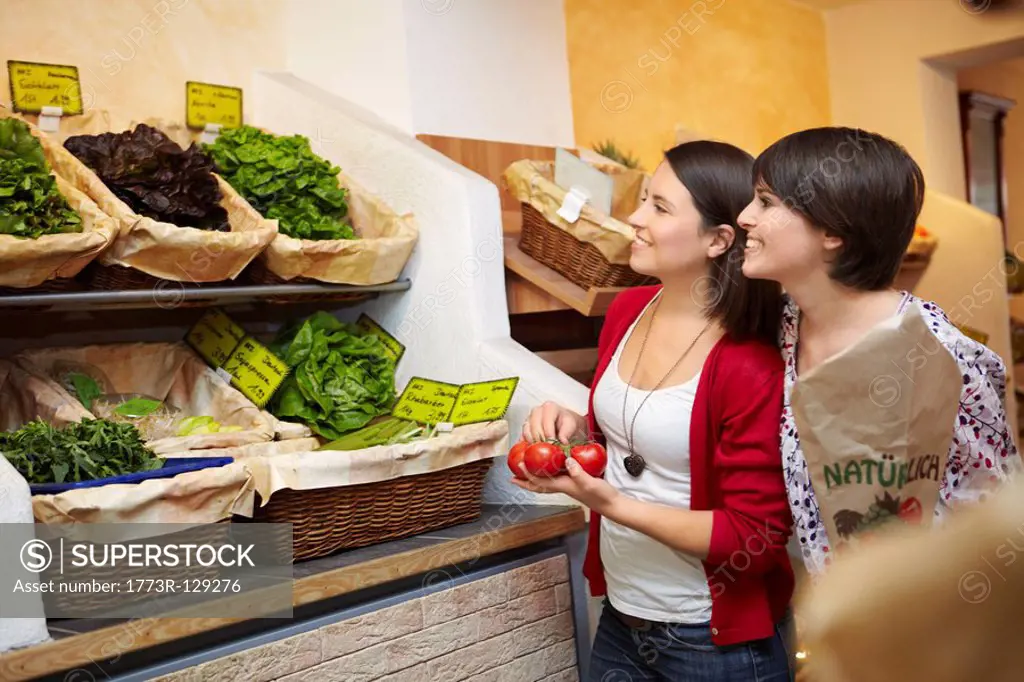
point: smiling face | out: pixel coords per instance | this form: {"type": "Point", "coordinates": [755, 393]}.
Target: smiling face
{"type": "Point", "coordinates": [670, 242]}
{"type": "Point", "coordinates": [782, 245]}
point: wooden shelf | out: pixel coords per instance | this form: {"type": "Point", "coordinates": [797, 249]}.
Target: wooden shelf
{"type": "Point", "coordinates": [591, 303]}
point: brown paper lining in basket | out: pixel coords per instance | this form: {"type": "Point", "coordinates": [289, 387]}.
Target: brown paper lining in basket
{"type": "Point", "coordinates": [30, 262]}
{"type": "Point", "coordinates": [330, 468]}
{"type": "Point", "coordinates": [195, 497]}
{"type": "Point", "coordinates": [168, 372]}
{"type": "Point", "coordinates": [532, 182]}
{"type": "Point", "coordinates": [383, 247]}
{"type": "Point", "coordinates": [162, 250]}
{"type": "Point", "coordinates": [26, 395]}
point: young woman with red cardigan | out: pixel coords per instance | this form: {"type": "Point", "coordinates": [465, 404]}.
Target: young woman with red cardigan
{"type": "Point", "coordinates": [690, 521]}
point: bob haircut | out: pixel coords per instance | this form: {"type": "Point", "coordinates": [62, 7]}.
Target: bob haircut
{"type": "Point", "coordinates": [852, 184]}
{"type": "Point", "coordinates": [717, 176]}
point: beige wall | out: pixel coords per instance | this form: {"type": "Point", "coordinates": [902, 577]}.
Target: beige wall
{"type": "Point", "coordinates": [134, 56]}
{"type": "Point", "coordinates": [879, 81]}
{"type": "Point", "coordinates": [1006, 79]}
{"type": "Point", "coordinates": [744, 71]}
{"type": "Point", "coordinates": [892, 69]}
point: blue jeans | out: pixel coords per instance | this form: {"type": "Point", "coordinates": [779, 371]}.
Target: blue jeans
{"type": "Point", "coordinates": [677, 652]}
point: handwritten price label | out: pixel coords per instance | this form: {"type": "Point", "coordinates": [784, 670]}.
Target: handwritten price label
{"type": "Point", "coordinates": [214, 337]}
{"type": "Point", "coordinates": [394, 346]}
{"type": "Point", "coordinates": [255, 371]}
{"type": "Point", "coordinates": [426, 401]}
{"type": "Point", "coordinates": [34, 86]}
{"type": "Point", "coordinates": [483, 402]}
{"type": "Point", "coordinates": [218, 104]}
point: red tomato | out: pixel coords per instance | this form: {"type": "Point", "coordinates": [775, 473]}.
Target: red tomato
{"type": "Point", "coordinates": [592, 457]}
{"type": "Point", "coordinates": [515, 457]}
{"type": "Point", "coordinates": [911, 511]}
{"type": "Point", "coordinates": [545, 459]}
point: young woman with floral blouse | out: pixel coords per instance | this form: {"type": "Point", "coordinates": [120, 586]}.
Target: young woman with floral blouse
{"type": "Point", "coordinates": [833, 213]}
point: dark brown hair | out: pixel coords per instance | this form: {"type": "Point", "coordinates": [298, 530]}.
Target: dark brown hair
{"type": "Point", "coordinates": [852, 184]}
{"type": "Point", "coordinates": [717, 175]}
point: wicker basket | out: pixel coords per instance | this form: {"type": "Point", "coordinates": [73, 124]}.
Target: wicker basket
{"type": "Point", "coordinates": [577, 261]}
{"type": "Point", "coordinates": [259, 273]}
{"type": "Point", "coordinates": [331, 519]}
{"type": "Point", "coordinates": [50, 286]}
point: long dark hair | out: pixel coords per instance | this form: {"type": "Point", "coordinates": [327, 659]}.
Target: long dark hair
{"type": "Point", "coordinates": [717, 175]}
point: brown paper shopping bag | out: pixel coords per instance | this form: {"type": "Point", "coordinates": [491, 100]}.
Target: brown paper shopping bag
{"type": "Point", "coordinates": [875, 425]}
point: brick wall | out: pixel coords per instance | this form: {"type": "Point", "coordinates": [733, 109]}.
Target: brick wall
{"type": "Point", "coordinates": [516, 626]}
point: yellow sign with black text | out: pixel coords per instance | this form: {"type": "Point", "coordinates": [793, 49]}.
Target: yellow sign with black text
{"type": "Point", "coordinates": [34, 86]}
{"type": "Point", "coordinates": [215, 337]}
{"type": "Point", "coordinates": [483, 402]}
{"type": "Point", "coordinates": [217, 104]}
{"type": "Point", "coordinates": [255, 371]}
{"type": "Point", "coordinates": [434, 402]}
{"type": "Point", "coordinates": [426, 401]}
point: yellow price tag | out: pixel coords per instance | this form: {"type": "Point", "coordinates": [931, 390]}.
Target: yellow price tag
{"type": "Point", "coordinates": [34, 86]}
{"type": "Point", "coordinates": [255, 371]}
{"type": "Point", "coordinates": [483, 402]}
{"type": "Point", "coordinates": [393, 346]}
{"type": "Point", "coordinates": [214, 337]}
{"type": "Point", "coordinates": [218, 104]}
{"type": "Point", "coordinates": [426, 401]}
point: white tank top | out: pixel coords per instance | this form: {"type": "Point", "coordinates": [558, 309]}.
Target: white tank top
{"type": "Point", "coordinates": [645, 578]}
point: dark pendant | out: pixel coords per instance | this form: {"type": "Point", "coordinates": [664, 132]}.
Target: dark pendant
{"type": "Point", "coordinates": [634, 464]}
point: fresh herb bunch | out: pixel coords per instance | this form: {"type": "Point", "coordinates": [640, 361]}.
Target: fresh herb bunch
{"type": "Point", "coordinates": [610, 150]}
{"type": "Point", "coordinates": [341, 377]}
{"type": "Point", "coordinates": [285, 181]}
{"type": "Point", "coordinates": [156, 177]}
{"type": "Point", "coordinates": [30, 203]}
{"type": "Point", "coordinates": [83, 451]}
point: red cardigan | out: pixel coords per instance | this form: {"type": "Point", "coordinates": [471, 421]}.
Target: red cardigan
{"type": "Point", "coordinates": [736, 471]}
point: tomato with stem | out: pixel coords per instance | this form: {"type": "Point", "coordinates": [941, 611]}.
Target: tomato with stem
{"type": "Point", "coordinates": [545, 459]}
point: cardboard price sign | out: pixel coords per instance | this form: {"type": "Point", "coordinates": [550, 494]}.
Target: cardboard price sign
{"type": "Point", "coordinates": [207, 104]}
{"type": "Point", "coordinates": [394, 347]}
{"type": "Point", "coordinates": [34, 86]}
{"type": "Point", "coordinates": [434, 402]}
{"type": "Point", "coordinates": [215, 337]}
{"type": "Point", "coordinates": [255, 371]}
{"type": "Point", "coordinates": [483, 402]}
{"type": "Point", "coordinates": [249, 365]}
{"type": "Point", "coordinates": [426, 401]}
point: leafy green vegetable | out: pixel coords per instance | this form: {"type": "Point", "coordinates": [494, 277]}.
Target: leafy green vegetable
{"type": "Point", "coordinates": [156, 177]}
{"type": "Point", "coordinates": [137, 408]}
{"type": "Point", "coordinates": [341, 377]}
{"type": "Point", "coordinates": [86, 389]}
{"type": "Point", "coordinates": [387, 431]}
{"type": "Point", "coordinates": [285, 181]}
{"type": "Point", "coordinates": [30, 203]}
{"type": "Point", "coordinates": [84, 451]}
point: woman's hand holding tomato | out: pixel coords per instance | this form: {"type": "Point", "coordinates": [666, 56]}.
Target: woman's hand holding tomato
{"type": "Point", "coordinates": [543, 467]}
{"type": "Point", "coordinates": [553, 422]}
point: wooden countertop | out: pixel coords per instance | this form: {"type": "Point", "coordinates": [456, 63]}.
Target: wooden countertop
{"type": "Point", "coordinates": [81, 643]}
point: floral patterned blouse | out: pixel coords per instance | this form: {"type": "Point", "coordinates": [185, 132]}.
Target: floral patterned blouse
{"type": "Point", "coordinates": [981, 456]}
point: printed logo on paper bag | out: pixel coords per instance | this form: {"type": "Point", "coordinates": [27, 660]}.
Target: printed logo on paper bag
{"type": "Point", "coordinates": [212, 104]}
{"type": "Point", "coordinates": [255, 371]}
{"type": "Point", "coordinates": [34, 86]}
{"type": "Point", "coordinates": [897, 480]}
{"type": "Point", "coordinates": [483, 402]}
{"type": "Point", "coordinates": [426, 401]}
